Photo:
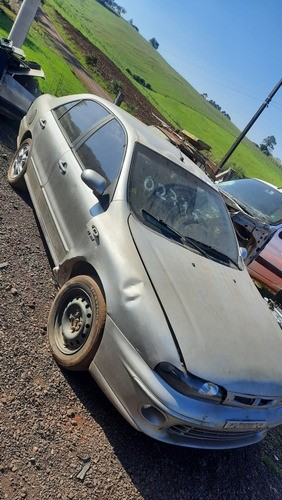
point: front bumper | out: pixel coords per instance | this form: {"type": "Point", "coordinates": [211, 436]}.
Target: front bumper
{"type": "Point", "coordinates": [153, 407]}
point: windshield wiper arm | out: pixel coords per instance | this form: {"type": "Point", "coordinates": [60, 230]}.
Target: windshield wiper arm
{"type": "Point", "coordinates": [213, 252]}
{"type": "Point", "coordinates": [204, 249]}
{"type": "Point", "coordinates": [161, 224]}
{"type": "Point", "coordinates": [182, 239]}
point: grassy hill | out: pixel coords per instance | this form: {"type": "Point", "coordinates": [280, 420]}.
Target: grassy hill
{"type": "Point", "coordinates": [173, 96]}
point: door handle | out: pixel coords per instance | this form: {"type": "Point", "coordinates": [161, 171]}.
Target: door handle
{"type": "Point", "coordinates": [42, 123]}
{"type": "Point", "coordinates": [63, 166]}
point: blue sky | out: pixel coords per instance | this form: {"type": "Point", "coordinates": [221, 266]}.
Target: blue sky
{"type": "Point", "coordinates": [229, 49]}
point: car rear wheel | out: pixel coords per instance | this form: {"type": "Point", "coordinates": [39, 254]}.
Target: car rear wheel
{"type": "Point", "coordinates": [18, 165]}
{"type": "Point", "coordinates": [75, 323]}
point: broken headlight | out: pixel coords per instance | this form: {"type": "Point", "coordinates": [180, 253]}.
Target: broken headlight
{"type": "Point", "coordinates": [190, 385]}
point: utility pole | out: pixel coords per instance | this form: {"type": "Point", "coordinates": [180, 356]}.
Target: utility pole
{"type": "Point", "coordinates": [23, 21]}
{"type": "Point", "coordinates": [251, 122]}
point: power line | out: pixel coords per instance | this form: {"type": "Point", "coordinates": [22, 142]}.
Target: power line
{"type": "Point", "coordinates": [250, 124]}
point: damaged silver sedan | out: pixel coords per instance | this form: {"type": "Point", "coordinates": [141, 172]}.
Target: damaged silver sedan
{"type": "Point", "coordinates": [155, 300]}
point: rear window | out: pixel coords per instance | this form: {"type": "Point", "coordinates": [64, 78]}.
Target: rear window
{"type": "Point", "coordinates": [77, 117]}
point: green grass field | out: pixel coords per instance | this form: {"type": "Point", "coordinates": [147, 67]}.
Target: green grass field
{"type": "Point", "coordinates": [175, 98]}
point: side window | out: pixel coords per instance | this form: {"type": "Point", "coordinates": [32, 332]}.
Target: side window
{"type": "Point", "coordinates": [76, 118]}
{"type": "Point", "coordinates": [103, 151]}
{"type": "Point", "coordinates": [61, 110]}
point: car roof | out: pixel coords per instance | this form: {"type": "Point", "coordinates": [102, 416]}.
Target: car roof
{"type": "Point", "coordinates": [267, 184]}
{"type": "Point", "coordinates": [252, 179]}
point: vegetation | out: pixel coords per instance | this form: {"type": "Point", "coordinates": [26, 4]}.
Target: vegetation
{"type": "Point", "coordinates": [178, 101]}
{"type": "Point", "coordinates": [217, 106]}
{"type": "Point", "coordinates": [91, 60]}
{"type": "Point", "coordinates": [268, 144]}
{"type": "Point", "coordinates": [113, 6]}
{"type": "Point", "coordinates": [139, 79]}
{"type": "Point", "coordinates": [116, 86]}
{"type": "Point", "coordinates": [154, 43]}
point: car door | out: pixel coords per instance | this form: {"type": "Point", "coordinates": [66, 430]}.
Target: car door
{"type": "Point", "coordinates": [267, 267]}
{"type": "Point", "coordinates": [48, 143]}
{"type": "Point", "coordinates": [59, 129]}
{"type": "Point", "coordinates": [71, 202]}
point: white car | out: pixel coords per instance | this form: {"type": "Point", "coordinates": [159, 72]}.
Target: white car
{"type": "Point", "coordinates": [155, 299]}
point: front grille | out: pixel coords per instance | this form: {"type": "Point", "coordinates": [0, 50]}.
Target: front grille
{"type": "Point", "coordinates": [251, 401]}
{"type": "Point", "coordinates": [195, 432]}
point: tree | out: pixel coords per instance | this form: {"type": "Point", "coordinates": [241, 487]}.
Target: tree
{"type": "Point", "coordinates": [154, 43]}
{"type": "Point", "coordinates": [268, 144]}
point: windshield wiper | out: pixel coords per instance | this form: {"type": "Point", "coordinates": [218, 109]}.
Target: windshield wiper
{"type": "Point", "coordinates": [217, 254]}
{"type": "Point", "coordinates": [176, 235]}
{"type": "Point", "coordinates": [161, 224]}
{"type": "Point", "coordinates": [204, 249]}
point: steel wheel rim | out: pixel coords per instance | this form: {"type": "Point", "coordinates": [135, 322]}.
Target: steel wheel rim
{"type": "Point", "coordinates": [20, 161]}
{"type": "Point", "coordinates": [73, 322]}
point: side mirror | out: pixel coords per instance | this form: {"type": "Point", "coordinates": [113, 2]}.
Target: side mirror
{"type": "Point", "coordinates": [94, 181]}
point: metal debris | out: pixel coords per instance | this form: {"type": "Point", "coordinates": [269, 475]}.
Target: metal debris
{"type": "Point", "coordinates": [276, 311]}
{"type": "Point", "coordinates": [81, 475]}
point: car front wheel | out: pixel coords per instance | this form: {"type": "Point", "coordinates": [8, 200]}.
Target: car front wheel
{"type": "Point", "coordinates": [18, 165]}
{"type": "Point", "coordinates": [75, 323]}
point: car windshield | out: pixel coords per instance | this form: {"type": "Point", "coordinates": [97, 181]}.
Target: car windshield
{"type": "Point", "coordinates": [181, 206]}
{"type": "Point", "coordinates": [260, 199]}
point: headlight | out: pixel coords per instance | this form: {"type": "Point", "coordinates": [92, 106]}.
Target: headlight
{"type": "Point", "coordinates": [189, 385]}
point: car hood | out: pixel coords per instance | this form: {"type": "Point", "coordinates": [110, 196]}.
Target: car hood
{"type": "Point", "coordinates": [222, 326]}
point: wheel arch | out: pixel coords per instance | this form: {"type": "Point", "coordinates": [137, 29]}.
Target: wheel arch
{"type": "Point", "coordinates": [75, 267]}
{"type": "Point", "coordinates": [27, 135]}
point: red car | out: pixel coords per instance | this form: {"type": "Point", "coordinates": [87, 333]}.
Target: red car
{"type": "Point", "coordinates": [267, 267]}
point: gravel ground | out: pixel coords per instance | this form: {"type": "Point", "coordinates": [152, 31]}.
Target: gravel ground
{"type": "Point", "coordinates": [54, 423]}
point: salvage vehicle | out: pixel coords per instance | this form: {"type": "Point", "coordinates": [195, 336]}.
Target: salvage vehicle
{"type": "Point", "coordinates": [18, 80]}
{"type": "Point", "coordinates": [155, 299]}
{"type": "Point", "coordinates": [256, 210]}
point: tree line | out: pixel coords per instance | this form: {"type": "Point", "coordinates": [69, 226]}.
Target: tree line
{"type": "Point", "coordinates": [117, 9]}
{"type": "Point", "coordinates": [267, 145]}
{"type": "Point", "coordinates": [215, 105]}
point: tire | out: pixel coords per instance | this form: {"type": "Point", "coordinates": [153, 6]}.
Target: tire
{"type": "Point", "coordinates": [76, 322]}
{"type": "Point", "coordinates": [18, 165]}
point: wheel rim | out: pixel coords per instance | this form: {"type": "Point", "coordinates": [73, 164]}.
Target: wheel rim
{"type": "Point", "coordinates": [20, 160]}
{"type": "Point", "coordinates": [73, 322]}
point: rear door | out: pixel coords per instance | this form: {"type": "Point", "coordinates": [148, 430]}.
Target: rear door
{"type": "Point", "coordinates": [54, 138]}
{"type": "Point", "coordinates": [48, 144]}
